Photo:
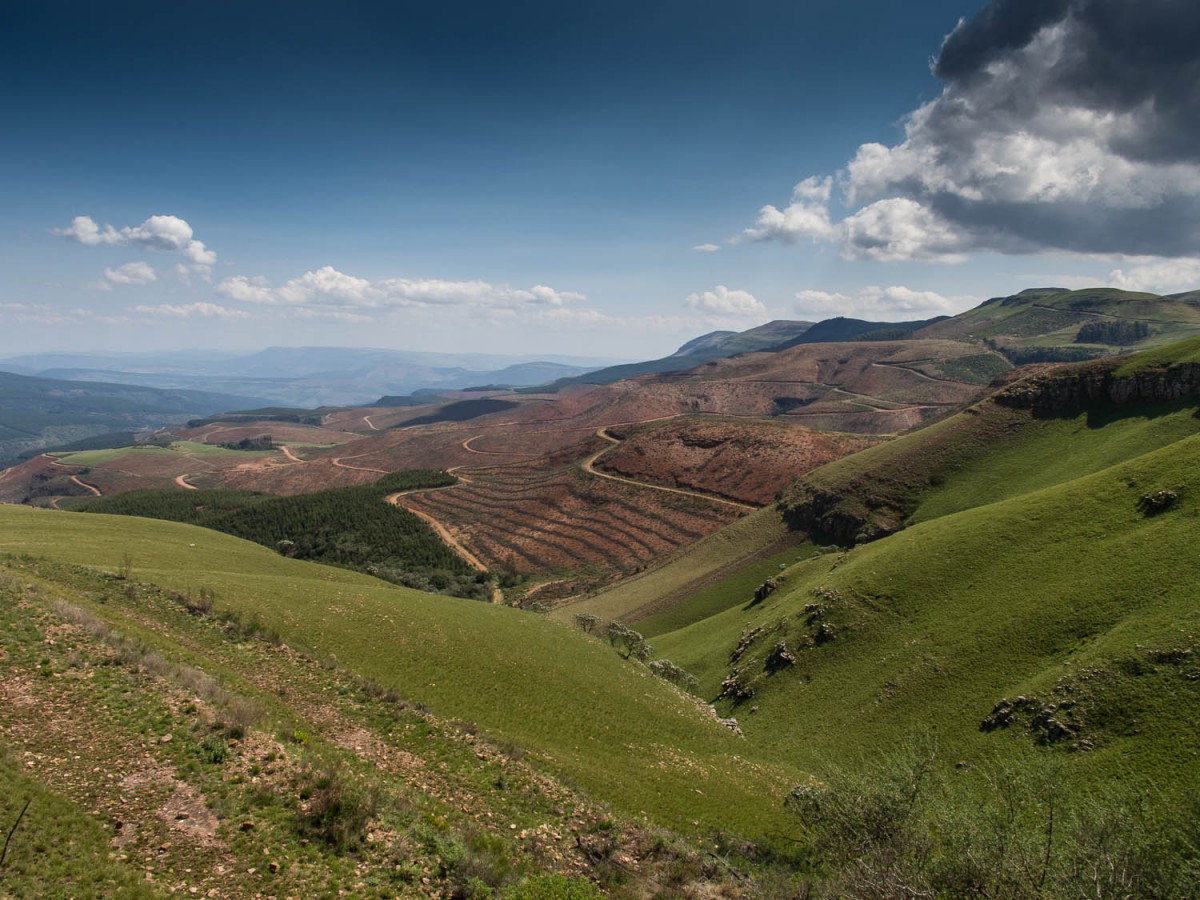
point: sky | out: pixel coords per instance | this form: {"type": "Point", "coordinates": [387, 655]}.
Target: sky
{"type": "Point", "coordinates": [593, 178]}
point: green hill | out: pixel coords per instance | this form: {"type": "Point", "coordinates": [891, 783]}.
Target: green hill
{"type": "Point", "coordinates": [1054, 324]}
{"type": "Point", "coordinates": [1023, 609]}
{"type": "Point", "coordinates": [573, 702]}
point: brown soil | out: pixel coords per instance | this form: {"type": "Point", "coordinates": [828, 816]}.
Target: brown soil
{"type": "Point", "coordinates": [747, 461]}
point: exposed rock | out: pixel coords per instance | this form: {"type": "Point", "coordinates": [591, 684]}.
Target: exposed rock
{"type": "Point", "coordinates": [780, 658]}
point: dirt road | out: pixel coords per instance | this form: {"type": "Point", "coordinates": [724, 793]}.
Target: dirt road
{"type": "Point", "coordinates": [589, 466]}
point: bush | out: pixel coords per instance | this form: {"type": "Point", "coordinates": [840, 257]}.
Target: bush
{"type": "Point", "coordinates": [336, 809]}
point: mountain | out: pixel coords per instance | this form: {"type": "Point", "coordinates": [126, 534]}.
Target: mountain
{"type": "Point", "coordinates": [1055, 324]}
{"type": "Point", "coordinates": [306, 376]}
{"type": "Point", "coordinates": [715, 345]}
{"type": "Point", "coordinates": [36, 413]}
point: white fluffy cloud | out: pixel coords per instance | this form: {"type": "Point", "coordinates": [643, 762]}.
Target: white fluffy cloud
{"type": "Point", "coordinates": [328, 289]}
{"type": "Point", "coordinates": [1070, 125]}
{"type": "Point", "coordinates": [165, 233]}
{"type": "Point", "coordinates": [1158, 276]}
{"type": "Point", "coordinates": [806, 217]}
{"type": "Point", "coordinates": [880, 303]}
{"type": "Point", "coordinates": [721, 301]}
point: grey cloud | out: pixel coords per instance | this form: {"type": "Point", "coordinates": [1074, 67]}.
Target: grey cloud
{"type": "Point", "coordinates": [1062, 125]}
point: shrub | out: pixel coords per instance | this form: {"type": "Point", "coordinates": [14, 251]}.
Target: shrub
{"type": "Point", "coordinates": [337, 809]}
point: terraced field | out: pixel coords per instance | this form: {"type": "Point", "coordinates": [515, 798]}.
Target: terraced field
{"type": "Point", "coordinates": [540, 520]}
{"type": "Point", "coordinates": [710, 455]}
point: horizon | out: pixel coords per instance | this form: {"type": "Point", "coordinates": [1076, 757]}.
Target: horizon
{"type": "Point", "coordinates": [608, 182]}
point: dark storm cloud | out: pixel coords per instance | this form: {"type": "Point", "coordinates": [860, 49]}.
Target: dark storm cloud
{"type": "Point", "coordinates": [1063, 124]}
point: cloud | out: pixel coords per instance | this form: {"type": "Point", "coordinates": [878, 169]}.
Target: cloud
{"type": "Point", "coordinates": [327, 288]}
{"type": "Point", "coordinates": [707, 248]}
{"type": "Point", "coordinates": [721, 301]}
{"type": "Point", "coordinates": [190, 310]}
{"type": "Point", "coordinates": [44, 314]}
{"type": "Point", "coordinates": [807, 216]}
{"type": "Point", "coordinates": [1159, 276]}
{"type": "Point", "coordinates": [131, 273]}
{"type": "Point", "coordinates": [1069, 125]}
{"type": "Point", "coordinates": [165, 233]}
{"type": "Point", "coordinates": [893, 303]}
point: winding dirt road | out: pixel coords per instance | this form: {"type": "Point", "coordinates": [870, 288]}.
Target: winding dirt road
{"type": "Point", "coordinates": [182, 481]}
{"type": "Point", "coordinates": [444, 533]}
{"type": "Point", "coordinates": [341, 465]}
{"type": "Point", "coordinates": [589, 466]}
{"type": "Point", "coordinates": [287, 451]}
{"type": "Point", "coordinates": [83, 484]}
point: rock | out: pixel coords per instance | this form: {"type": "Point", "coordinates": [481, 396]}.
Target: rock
{"type": "Point", "coordinates": [780, 657]}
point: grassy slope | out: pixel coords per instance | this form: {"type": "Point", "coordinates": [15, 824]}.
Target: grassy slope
{"type": "Point", "coordinates": [635, 598]}
{"type": "Point", "coordinates": [1049, 572]}
{"type": "Point", "coordinates": [570, 701]}
{"type": "Point", "coordinates": [1047, 317]}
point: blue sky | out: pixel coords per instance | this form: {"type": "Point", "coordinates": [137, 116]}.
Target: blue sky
{"type": "Point", "coordinates": [593, 178]}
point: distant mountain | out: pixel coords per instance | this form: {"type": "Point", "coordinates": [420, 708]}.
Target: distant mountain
{"type": "Point", "coordinates": [715, 345]}
{"type": "Point", "coordinates": [306, 376]}
{"type": "Point", "coordinates": [37, 413]}
{"type": "Point", "coordinates": [840, 329]}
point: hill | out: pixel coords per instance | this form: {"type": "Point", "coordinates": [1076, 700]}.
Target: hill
{"type": "Point", "coordinates": [1017, 611]}
{"type": "Point", "coordinates": [252, 685]}
{"type": "Point", "coordinates": [1057, 325]}
{"type": "Point", "coordinates": [37, 413]}
{"type": "Point", "coordinates": [715, 345]}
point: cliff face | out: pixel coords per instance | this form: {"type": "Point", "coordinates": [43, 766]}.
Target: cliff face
{"type": "Point", "coordinates": [1074, 389]}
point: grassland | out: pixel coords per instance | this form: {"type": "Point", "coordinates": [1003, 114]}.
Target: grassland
{"type": "Point", "coordinates": [572, 704]}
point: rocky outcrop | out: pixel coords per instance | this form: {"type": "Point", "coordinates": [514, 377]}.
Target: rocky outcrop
{"type": "Point", "coordinates": [1072, 389]}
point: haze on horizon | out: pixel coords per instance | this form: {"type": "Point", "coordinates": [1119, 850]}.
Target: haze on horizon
{"type": "Point", "coordinates": [595, 180]}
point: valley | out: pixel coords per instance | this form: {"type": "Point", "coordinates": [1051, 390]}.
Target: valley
{"type": "Point", "coordinates": [778, 592]}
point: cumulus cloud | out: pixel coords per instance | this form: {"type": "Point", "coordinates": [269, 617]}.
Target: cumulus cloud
{"type": "Point", "coordinates": [721, 301]}
{"type": "Point", "coordinates": [165, 233]}
{"type": "Point", "coordinates": [1158, 276]}
{"type": "Point", "coordinates": [328, 289]}
{"type": "Point", "coordinates": [190, 310]}
{"type": "Point", "coordinates": [131, 273]}
{"type": "Point", "coordinates": [881, 303]}
{"type": "Point", "coordinates": [1068, 125]}
{"type": "Point", "coordinates": [807, 216]}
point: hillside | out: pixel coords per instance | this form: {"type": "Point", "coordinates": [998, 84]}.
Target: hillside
{"type": "Point", "coordinates": [1054, 324]}
{"type": "Point", "coordinates": [1021, 618]}
{"type": "Point", "coordinates": [36, 413]}
{"type": "Point", "coordinates": [467, 754]}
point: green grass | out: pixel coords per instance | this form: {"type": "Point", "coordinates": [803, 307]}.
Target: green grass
{"type": "Point", "coordinates": [570, 701]}
{"type": "Point", "coordinates": [988, 453]}
{"type": "Point", "coordinates": [101, 457]}
{"type": "Point", "coordinates": [186, 448]}
{"type": "Point", "coordinates": [1181, 352]}
{"type": "Point", "coordinates": [1072, 585]}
